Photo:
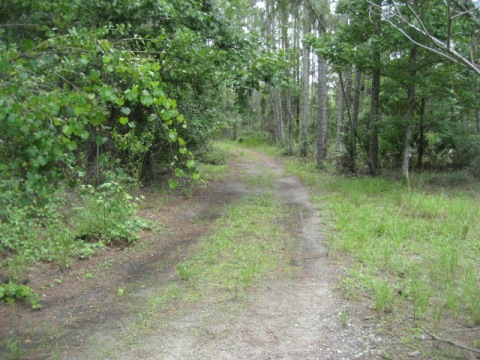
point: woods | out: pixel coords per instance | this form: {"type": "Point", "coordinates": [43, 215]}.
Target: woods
{"type": "Point", "coordinates": [371, 102]}
{"type": "Point", "coordinates": [98, 97]}
{"type": "Point", "coordinates": [408, 63]}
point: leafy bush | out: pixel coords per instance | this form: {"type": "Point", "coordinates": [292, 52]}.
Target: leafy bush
{"type": "Point", "coordinates": [213, 155]}
{"type": "Point", "coordinates": [26, 223]}
{"type": "Point", "coordinates": [67, 224]}
{"type": "Point", "coordinates": [12, 292]}
{"type": "Point", "coordinates": [107, 213]}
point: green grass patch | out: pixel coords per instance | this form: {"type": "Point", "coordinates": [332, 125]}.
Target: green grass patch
{"type": "Point", "coordinates": [246, 243]}
{"type": "Point", "coordinates": [408, 246]}
{"type": "Point", "coordinates": [263, 180]}
{"type": "Point", "coordinates": [211, 172]}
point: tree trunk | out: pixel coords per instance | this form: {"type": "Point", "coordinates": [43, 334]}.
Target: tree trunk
{"type": "Point", "coordinates": [338, 125]}
{"type": "Point", "coordinates": [288, 100]}
{"type": "Point", "coordinates": [288, 115]}
{"type": "Point", "coordinates": [421, 136]}
{"type": "Point", "coordinates": [277, 114]}
{"type": "Point", "coordinates": [354, 121]}
{"type": "Point", "coordinates": [410, 110]}
{"type": "Point", "coordinates": [322, 112]}
{"type": "Point", "coordinates": [475, 55]}
{"type": "Point", "coordinates": [375, 97]}
{"type": "Point", "coordinates": [304, 103]}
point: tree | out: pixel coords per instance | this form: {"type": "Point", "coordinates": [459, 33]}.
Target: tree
{"type": "Point", "coordinates": [304, 102]}
{"type": "Point", "coordinates": [404, 17]}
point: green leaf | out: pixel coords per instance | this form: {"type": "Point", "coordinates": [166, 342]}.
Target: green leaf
{"type": "Point", "coordinates": [78, 110]}
{"type": "Point", "coordinates": [72, 146]}
{"type": "Point", "coordinates": [107, 93]}
{"type": "Point", "coordinates": [167, 115]}
{"type": "Point", "coordinates": [179, 172]}
{"type": "Point", "coordinates": [172, 184]}
{"type": "Point", "coordinates": [158, 93]}
{"type": "Point", "coordinates": [131, 95]}
{"type": "Point", "coordinates": [172, 135]}
{"type": "Point", "coordinates": [68, 129]}
{"type": "Point", "coordinates": [106, 59]}
{"type": "Point", "coordinates": [27, 45]}
{"type": "Point", "coordinates": [85, 135]}
{"type": "Point", "coordinates": [21, 292]}
{"type": "Point", "coordinates": [196, 176]}
{"type": "Point", "coordinates": [190, 164]}
{"type": "Point", "coordinates": [100, 140]}
{"type": "Point", "coordinates": [181, 142]}
{"type": "Point", "coordinates": [123, 120]}
{"type": "Point", "coordinates": [146, 99]}
{"type": "Point", "coordinates": [5, 66]}
{"type": "Point", "coordinates": [10, 290]}
{"type": "Point", "coordinates": [125, 110]}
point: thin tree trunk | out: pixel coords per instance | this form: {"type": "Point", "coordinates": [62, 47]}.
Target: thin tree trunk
{"type": "Point", "coordinates": [474, 46]}
{"type": "Point", "coordinates": [322, 112]}
{"type": "Point", "coordinates": [288, 100]}
{"type": "Point", "coordinates": [410, 111]}
{"type": "Point", "coordinates": [278, 118]}
{"type": "Point", "coordinates": [288, 115]}
{"type": "Point", "coordinates": [374, 102]}
{"type": "Point", "coordinates": [338, 125]}
{"type": "Point", "coordinates": [304, 103]}
{"type": "Point", "coordinates": [478, 111]}
{"type": "Point", "coordinates": [375, 98]}
{"type": "Point", "coordinates": [421, 137]}
{"type": "Point", "coordinates": [354, 121]}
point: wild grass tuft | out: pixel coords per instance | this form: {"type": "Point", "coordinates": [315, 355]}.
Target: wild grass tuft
{"type": "Point", "coordinates": [211, 172]}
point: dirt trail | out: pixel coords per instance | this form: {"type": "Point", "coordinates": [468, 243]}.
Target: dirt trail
{"type": "Point", "coordinates": [300, 318]}
{"type": "Point", "coordinates": [285, 319]}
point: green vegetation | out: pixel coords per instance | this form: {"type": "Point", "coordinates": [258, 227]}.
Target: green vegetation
{"type": "Point", "coordinates": [410, 248]}
{"type": "Point", "coordinates": [95, 103]}
{"type": "Point", "coordinates": [12, 292]}
{"type": "Point", "coordinates": [245, 244]}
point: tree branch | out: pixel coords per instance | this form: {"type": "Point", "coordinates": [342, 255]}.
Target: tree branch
{"type": "Point", "coordinates": [440, 48]}
{"type": "Point", "coordinates": [447, 341]}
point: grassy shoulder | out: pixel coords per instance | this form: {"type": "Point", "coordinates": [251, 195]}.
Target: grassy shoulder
{"type": "Point", "coordinates": [412, 252]}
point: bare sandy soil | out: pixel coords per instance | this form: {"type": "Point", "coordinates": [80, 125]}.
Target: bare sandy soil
{"type": "Point", "coordinates": [298, 317]}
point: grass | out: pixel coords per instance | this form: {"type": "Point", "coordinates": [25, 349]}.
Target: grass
{"type": "Point", "coordinates": [211, 172]}
{"type": "Point", "coordinates": [246, 243]}
{"type": "Point", "coordinates": [409, 248]}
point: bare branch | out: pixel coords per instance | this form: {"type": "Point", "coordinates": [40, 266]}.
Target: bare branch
{"type": "Point", "coordinates": [439, 47]}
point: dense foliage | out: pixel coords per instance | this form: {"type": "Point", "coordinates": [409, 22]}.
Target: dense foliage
{"type": "Point", "coordinates": [402, 82]}
{"type": "Point", "coordinates": [97, 96]}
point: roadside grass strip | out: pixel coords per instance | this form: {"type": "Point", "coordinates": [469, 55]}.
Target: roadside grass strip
{"type": "Point", "coordinates": [246, 243]}
{"type": "Point", "coordinates": [407, 246]}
